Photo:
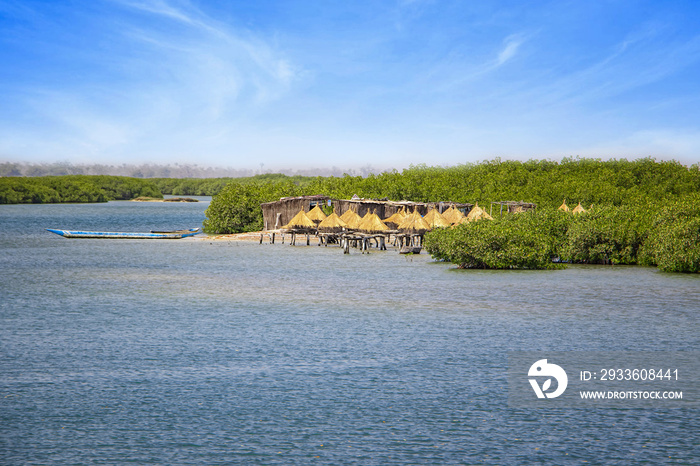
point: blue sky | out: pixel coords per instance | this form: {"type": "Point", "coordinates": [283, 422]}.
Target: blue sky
{"type": "Point", "coordinates": [347, 83]}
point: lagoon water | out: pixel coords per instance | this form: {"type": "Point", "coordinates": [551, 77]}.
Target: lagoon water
{"type": "Point", "coordinates": [202, 352]}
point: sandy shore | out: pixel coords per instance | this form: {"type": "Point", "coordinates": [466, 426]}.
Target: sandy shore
{"type": "Point", "coordinates": [255, 236]}
{"type": "Point", "coordinates": [252, 236]}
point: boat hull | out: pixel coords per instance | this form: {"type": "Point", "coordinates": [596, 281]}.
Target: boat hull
{"type": "Point", "coordinates": [124, 235]}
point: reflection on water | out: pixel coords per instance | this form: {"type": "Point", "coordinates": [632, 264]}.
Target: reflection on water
{"type": "Point", "coordinates": [203, 352]}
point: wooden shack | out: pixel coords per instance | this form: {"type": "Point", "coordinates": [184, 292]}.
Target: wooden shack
{"type": "Point", "coordinates": [279, 213]}
{"type": "Point", "coordinates": [513, 207]}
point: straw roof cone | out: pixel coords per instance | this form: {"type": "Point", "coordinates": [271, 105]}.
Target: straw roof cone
{"type": "Point", "coordinates": [414, 223]}
{"type": "Point", "coordinates": [477, 213]}
{"type": "Point", "coordinates": [453, 215]}
{"type": "Point", "coordinates": [435, 219]}
{"type": "Point", "coordinates": [300, 221]}
{"type": "Point", "coordinates": [578, 209]}
{"type": "Point", "coordinates": [316, 214]}
{"type": "Point", "coordinates": [371, 223]}
{"type": "Point", "coordinates": [332, 223]}
{"type": "Point", "coordinates": [563, 207]}
{"type": "Point", "coordinates": [396, 219]}
{"type": "Point", "coordinates": [351, 219]}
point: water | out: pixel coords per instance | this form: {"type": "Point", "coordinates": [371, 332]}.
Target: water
{"type": "Point", "coordinates": [203, 352]}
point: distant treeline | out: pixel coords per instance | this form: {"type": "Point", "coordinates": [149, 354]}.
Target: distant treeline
{"type": "Point", "coordinates": [642, 205]}
{"type": "Point", "coordinates": [73, 188]}
{"type": "Point", "coordinates": [212, 186]}
{"type": "Point", "coordinates": [151, 170]}
{"type": "Point", "coordinates": [102, 188]}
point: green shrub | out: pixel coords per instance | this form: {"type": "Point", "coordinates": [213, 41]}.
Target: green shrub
{"type": "Point", "coordinates": [673, 242]}
{"type": "Point", "coordinates": [513, 242]}
{"type": "Point", "coordinates": [604, 235]}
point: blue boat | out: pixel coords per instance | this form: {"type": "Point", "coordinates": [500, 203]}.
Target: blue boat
{"type": "Point", "coordinates": [174, 234]}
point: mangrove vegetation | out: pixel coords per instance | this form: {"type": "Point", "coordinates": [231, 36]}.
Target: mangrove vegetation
{"type": "Point", "coordinates": [74, 188]}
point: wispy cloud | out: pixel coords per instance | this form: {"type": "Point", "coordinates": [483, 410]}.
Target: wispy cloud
{"type": "Point", "coordinates": [168, 89]}
{"type": "Point", "coordinates": [249, 54]}
{"type": "Point", "coordinates": [159, 7]}
{"type": "Point", "coordinates": [456, 71]}
{"type": "Point", "coordinates": [638, 60]}
{"type": "Point", "coordinates": [511, 45]}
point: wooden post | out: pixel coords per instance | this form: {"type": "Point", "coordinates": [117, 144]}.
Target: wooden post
{"type": "Point", "coordinates": [273, 237]}
{"type": "Point", "coordinates": [261, 238]}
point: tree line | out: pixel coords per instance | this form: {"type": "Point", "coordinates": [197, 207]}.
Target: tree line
{"type": "Point", "coordinates": [74, 188]}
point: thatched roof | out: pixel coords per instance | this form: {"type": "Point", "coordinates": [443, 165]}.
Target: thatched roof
{"type": "Point", "coordinates": [414, 223]}
{"type": "Point", "coordinates": [351, 218]}
{"type": "Point", "coordinates": [331, 224]}
{"type": "Point", "coordinates": [316, 214]}
{"type": "Point", "coordinates": [477, 213]}
{"type": "Point", "coordinates": [435, 219]}
{"type": "Point", "coordinates": [578, 209]}
{"type": "Point", "coordinates": [563, 207]}
{"type": "Point", "coordinates": [396, 218]}
{"type": "Point", "coordinates": [300, 221]}
{"type": "Point", "coordinates": [453, 215]}
{"type": "Point", "coordinates": [371, 223]}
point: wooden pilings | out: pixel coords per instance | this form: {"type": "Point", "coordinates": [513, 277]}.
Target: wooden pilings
{"type": "Point", "coordinates": [364, 242]}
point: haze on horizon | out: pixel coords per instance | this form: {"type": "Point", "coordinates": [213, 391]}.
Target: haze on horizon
{"type": "Point", "coordinates": [385, 83]}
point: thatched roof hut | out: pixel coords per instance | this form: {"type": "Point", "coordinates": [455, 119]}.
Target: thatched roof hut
{"type": "Point", "coordinates": [396, 218]}
{"type": "Point", "coordinates": [300, 222]}
{"type": "Point", "coordinates": [453, 215]}
{"type": "Point", "coordinates": [563, 207]}
{"type": "Point", "coordinates": [477, 213]}
{"type": "Point", "coordinates": [578, 209]}
{"type": "Point", "coordinates": [332, 224]}
{"type": "Point", "coordinates": [351, 218]}
{"type": "Point", "coordinates": [435, 219]}
{"type": "Point", "coordinates": [414, 223]}
{"type": "Point", "coordinates": [371, 223]}
{"type": "Point", "coordinates": [316, 214]}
